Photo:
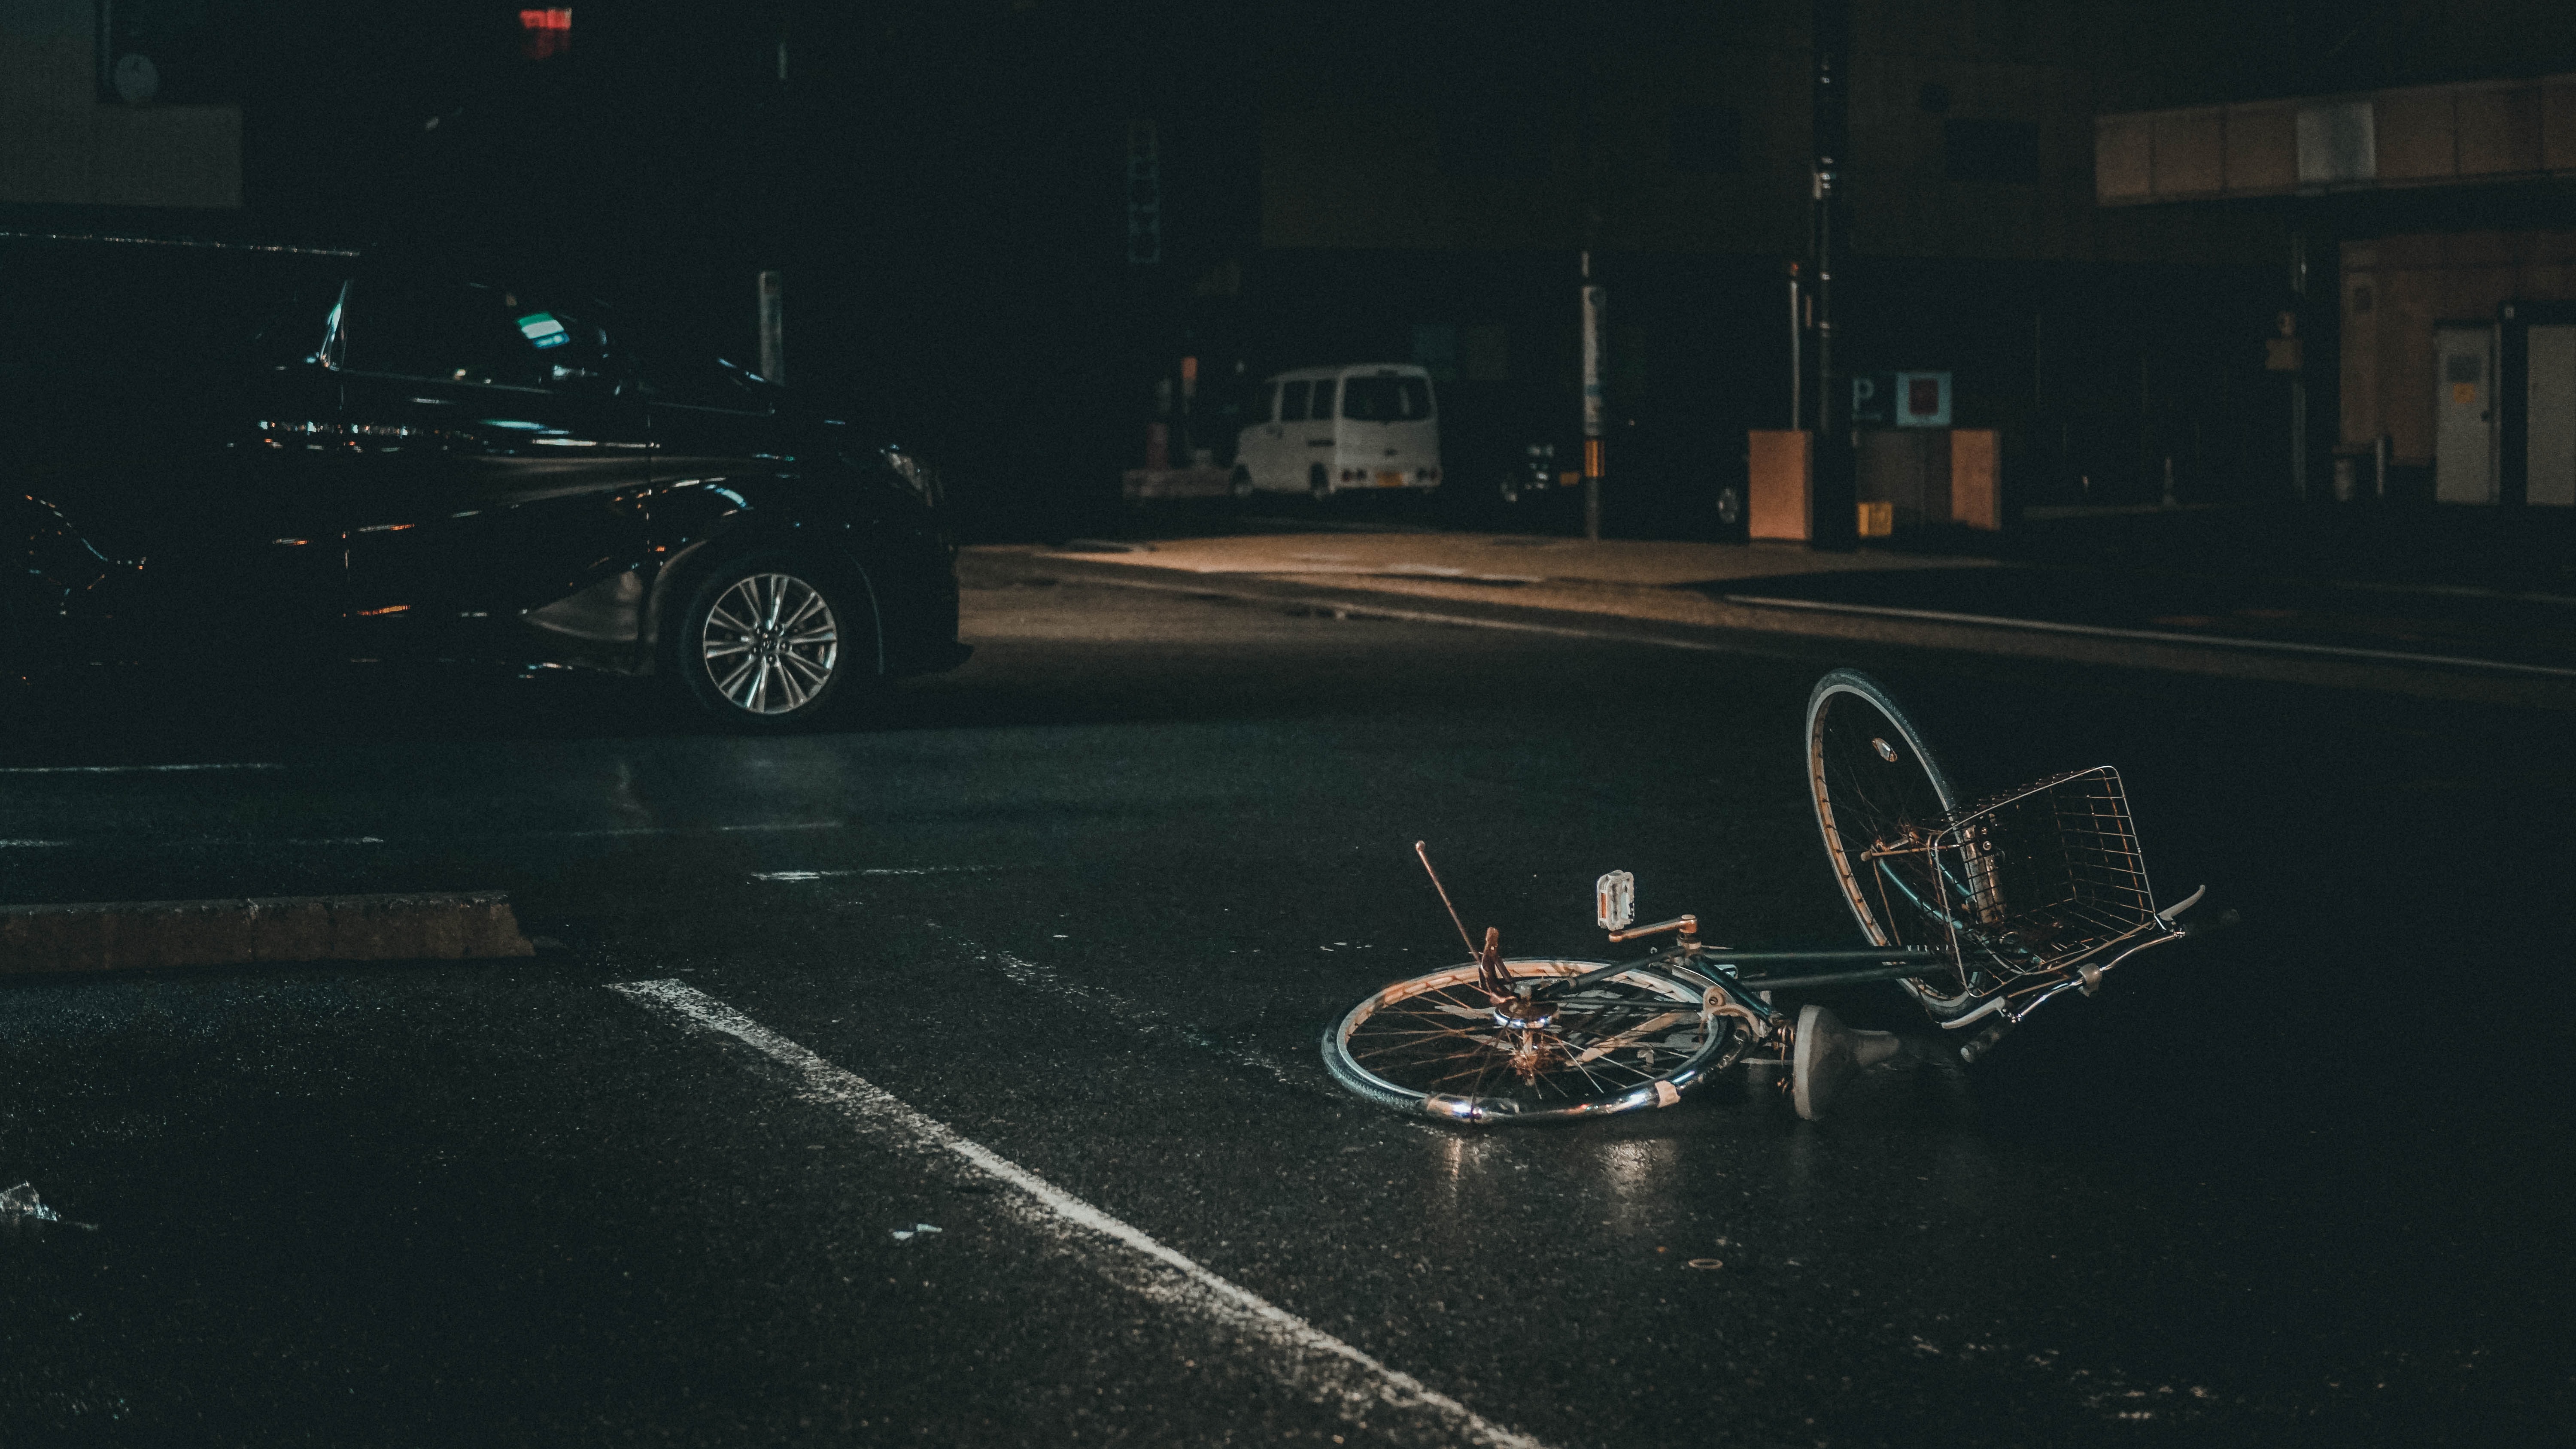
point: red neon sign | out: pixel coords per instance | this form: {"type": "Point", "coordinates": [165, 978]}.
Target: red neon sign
{"type": "Point", "coordinates": [544, 32]}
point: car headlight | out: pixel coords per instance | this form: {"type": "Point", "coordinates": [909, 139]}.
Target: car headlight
{"type": "Point", "coordinates": [917, 475]}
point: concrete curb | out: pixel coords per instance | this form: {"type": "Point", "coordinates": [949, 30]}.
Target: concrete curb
{"type": "Point", "coordinates": [130, 935]}
{"type": "Point", "coordinates": [1723, 624]}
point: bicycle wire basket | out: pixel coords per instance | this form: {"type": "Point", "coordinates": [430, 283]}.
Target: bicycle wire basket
{"type": "Point", "coordinates": [2040, 878]}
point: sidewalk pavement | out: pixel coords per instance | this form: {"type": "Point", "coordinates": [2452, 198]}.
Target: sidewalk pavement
{"type": "Point", "coordinates": [2440, 640]}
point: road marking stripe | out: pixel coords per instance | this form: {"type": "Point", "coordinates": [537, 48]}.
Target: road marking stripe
{"type": "Point", "coordinates": [2102, 631]}
{"type": "Point", "coordinates": [1143, 1019]}
{"type": "Point", "coordinates": [879, 870]}
{"type": "Point", "coordinates": [123, 769]}
{"type": "Point", "coordinates": [1324, 1368]}
{"type": "Point", "coordinates": [242, 841]}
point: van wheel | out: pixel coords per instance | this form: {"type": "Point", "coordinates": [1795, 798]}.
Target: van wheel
{"type": "Point", "coordinates": [1240, 485]}
{"type": "Point", "coordinates": [1730, 506]}
{"type": "Point", "coordinates": [1318, 482]}
{"type": "Point", "coordinates": [1511, 487]}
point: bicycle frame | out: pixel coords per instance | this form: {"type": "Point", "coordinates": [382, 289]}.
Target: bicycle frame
{"type": "Point", "coordinates": [1718, 971]}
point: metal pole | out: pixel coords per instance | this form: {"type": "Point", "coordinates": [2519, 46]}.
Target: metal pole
{"type": "Point", "coordinates": [1831, 520]}
{"type": "Point", "coordinates": [773, 327]}
{"type": "Point", "coordinates": [1592, 444]}
{"type": "Point", "coordinates": [1797, 361]}
{"type": "Point", "coordinates": [2299, 378]}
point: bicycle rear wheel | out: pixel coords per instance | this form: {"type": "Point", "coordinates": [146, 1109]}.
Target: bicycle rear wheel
{"type": "Point", "coordinates": [1435, 1046]}
{"type": "Point", "coordinates": [1878, 788]}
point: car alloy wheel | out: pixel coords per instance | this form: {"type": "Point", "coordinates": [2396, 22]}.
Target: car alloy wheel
{"type": "Point", "coordinates": [770, 644]}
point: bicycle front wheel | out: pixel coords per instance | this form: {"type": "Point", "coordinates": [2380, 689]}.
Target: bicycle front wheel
{"type": "Point", "coordinates": [1436, 1046]}
{"type": "Point", "coordinates": [1879, 790]}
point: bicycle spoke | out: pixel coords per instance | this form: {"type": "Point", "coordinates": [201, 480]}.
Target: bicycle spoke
{"type": "Point", "coordinates": [1625, 1037]}
{"type": "Point", "coordinates": [1439, 1036]}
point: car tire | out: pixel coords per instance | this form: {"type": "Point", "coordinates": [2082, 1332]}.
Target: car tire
{"type": "Point", "coordinates": [1240, 484]}
{"type": "Point", "coordinates": [1319, 484]}
{"type": "Point", "coordinates": [771, 643]}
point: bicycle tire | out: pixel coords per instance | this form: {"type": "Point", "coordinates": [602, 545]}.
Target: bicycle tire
{"type": "Point", "coordinates": [1872, 777]}
{"type": "Point", "coordinates": [1388, 1049]}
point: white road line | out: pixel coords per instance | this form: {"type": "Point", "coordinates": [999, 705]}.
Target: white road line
{"type": "Point", "coordinates": [237, 842]}
{"type": "Point", "coordinates": [880, 870]}
{"type": "Point", "coordinates": [612, 831]}
{"type": "Point", "coordinates": [1139, 1017]}
{"type": "Point", "coordinates": [1324, 1368]}
{"type": "Point", "coordinates": [224, 842]}
{"type": "Point", "coordinates": [31, 844]}
{"type": "Point", "coordinates": [2159, 636]}
{"type": "Point", "coordinates": [122, 769]}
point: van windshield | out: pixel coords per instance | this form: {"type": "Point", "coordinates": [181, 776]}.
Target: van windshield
{"type": "Point", "coordinates": [1386, 399]}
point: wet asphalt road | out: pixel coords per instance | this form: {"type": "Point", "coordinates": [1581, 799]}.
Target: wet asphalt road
{"type": "Point", "coordinates": [1082, 909]}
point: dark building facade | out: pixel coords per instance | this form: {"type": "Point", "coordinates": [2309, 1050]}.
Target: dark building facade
{"type": "Point", "coordinates": [974, 239]}
{"type": "Point", "coordinates": [1438, 183]}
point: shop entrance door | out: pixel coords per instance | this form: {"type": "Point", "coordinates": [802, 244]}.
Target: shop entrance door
{"type": "Point", "coordinates": [2551, 397]}
{"type": "Point", "coordinates": [2464, 414]}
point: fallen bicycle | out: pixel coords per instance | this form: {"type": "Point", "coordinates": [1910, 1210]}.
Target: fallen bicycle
{"type": "Point", "coordinates": [1982, 911]}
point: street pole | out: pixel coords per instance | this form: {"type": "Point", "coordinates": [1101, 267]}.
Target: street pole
{"type": "Point", "coordinates": [776, 161]}
{"type": "Point", "coordinates": [1797, 404]}
{"type": "Point", "coordinates": [1831, 523]}
{"type": "Point", "coordinates": [1592, 446]}
{"type": "Point", "coordinates": [773, 327]}
{"type": "Point", "coordinates": [2299, 375]}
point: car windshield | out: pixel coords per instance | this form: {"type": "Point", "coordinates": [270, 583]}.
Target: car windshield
{"type": "Point", "coordinates": [1386, 399]}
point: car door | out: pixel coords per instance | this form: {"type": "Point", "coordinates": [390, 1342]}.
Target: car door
{"type": "Point", "coordinates": [1288, 456]}
{"type": "Point", "coordinates": [496, 506]}
{"type": "Point", "coordinates": [166, 421]}
{"type": "Point", "coordinates": [1257, 446]}
{"type": "Point", "coordinates": [1318, 435]}
{"type": "Point", "coordinates": [712, 424]}
{"type": "Point", "coordinates": [1387, 430]}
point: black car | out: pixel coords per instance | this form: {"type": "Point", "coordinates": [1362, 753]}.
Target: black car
{"type": "Point", "coordinates": [217, 451]}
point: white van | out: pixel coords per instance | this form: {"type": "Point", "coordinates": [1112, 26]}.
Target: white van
{"type": "Point", "coordinates": [1325, 430]}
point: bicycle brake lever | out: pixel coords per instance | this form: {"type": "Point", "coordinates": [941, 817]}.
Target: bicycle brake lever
{"type": "Point", "coordinates": [2177, 908]}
